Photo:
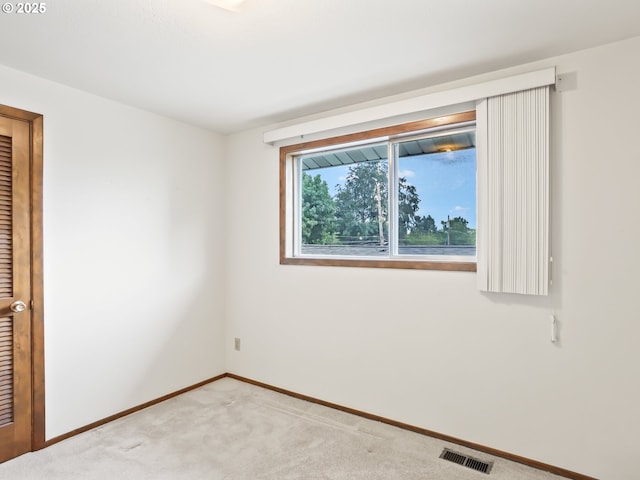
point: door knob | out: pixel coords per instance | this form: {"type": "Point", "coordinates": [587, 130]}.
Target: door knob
{"type": "Point", "coordinates": [18, 306]}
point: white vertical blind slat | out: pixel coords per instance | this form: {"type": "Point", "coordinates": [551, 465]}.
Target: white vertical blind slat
{"type": "Point", "coordinates": [513, 191]}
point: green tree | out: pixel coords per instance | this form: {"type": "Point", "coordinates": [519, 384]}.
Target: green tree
{"type": "Point", "coordinates": [318, 211]}
{"type": "Point", "coordinates": [425, 225]}
{"type": "Point", "coordinates": [408, 201]}
{"type": "Point", "coordinates": [458, 233]}
{"type": "Point", "coordinates": [362, 203]}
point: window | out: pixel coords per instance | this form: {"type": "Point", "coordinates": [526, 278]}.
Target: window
{"type": "Point", "coordinates": [400, 197]}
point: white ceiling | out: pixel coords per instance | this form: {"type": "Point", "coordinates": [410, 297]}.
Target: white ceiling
{"type": "Point", "coordinates": [280, 59]}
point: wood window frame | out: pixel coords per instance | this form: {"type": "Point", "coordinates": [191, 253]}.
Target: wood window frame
{"type": "Point", "coordinates": [286, 154]}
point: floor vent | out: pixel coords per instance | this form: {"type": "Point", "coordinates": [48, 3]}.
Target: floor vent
{"type": "Point", "coordinates": [466, 461]}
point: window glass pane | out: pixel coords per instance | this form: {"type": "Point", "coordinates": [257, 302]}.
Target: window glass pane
{"type": "Point", "coordinates": [437, 195]}
{"type": "Point", "coordinates": [396, 197]}
{"type": "Point", "coordinates": [344, 208]}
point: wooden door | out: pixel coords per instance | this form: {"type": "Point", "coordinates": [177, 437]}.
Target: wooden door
{"type": "Point", "coordinates": [15, 289]}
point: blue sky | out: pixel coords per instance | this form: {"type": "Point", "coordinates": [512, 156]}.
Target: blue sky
{"type": "Point", "coordinates": [445, 182]}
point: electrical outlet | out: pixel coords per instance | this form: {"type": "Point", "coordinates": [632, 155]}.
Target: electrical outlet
{"type": "Point", "coordinates": [236, 344]}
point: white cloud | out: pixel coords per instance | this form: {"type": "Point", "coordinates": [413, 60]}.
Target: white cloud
{"type": "Point", "coordinates": [406, 173]}
{"type": "Point", "coordinates": [458, 208]}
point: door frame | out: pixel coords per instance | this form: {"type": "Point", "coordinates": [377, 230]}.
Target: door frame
{"type": "Point", "coordinates": [35, 121]}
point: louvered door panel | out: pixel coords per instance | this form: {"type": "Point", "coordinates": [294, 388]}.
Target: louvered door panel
{"type": "Point", "coordinates": [6, 281]}
{"type": "Point", "coordinates": [6, 214]}
{"type": "Point", "coordinates": [6, 371]}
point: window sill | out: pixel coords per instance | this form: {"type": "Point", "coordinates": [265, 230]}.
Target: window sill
{"type": "Point", "coordinates": [410, 264]}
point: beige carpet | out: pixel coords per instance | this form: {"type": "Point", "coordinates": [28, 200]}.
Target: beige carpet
{"type": "Point", "coordinates": [232, 430]}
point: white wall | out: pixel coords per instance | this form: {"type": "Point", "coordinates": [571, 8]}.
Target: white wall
{"type": "Point", "coordinates": [134, 269]}
{"type": "Point", "coordinates": [427, 348]}
{"type": "Point", "coordinates": [137, 285]}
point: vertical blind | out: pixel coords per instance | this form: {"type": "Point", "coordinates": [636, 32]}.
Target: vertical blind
{"type": "Point", "coordinates": [513, 193]}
